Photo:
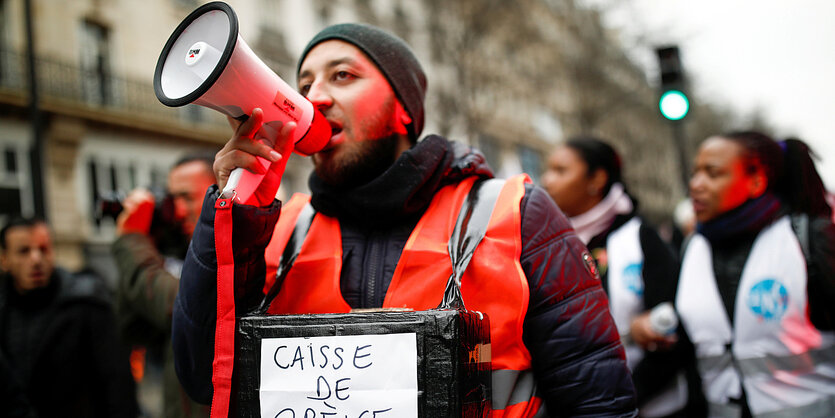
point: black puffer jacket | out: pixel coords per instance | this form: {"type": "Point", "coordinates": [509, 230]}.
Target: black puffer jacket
{"type": "Point", "coordinates": [62, 344]}
{"type": "Point", "coordinates": [576, 352]}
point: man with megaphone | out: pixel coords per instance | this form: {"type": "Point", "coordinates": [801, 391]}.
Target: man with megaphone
{"type": "Point", "coordinates": [383, 202]}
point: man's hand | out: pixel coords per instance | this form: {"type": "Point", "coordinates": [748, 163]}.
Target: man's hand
{"type": "Point", "coordinates": [137, 213]}
{"type": "Point", "coordinates": [253, 138]}
{"type": "Point", "coordinates": [642, 334]}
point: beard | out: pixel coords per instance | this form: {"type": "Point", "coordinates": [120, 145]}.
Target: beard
{"type": "Point", "coordinates": [363, 160]}
{"type": "Point", "coordinates": [366, 162]}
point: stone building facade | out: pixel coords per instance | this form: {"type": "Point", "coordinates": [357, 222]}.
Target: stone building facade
{"type": "Point", "coordinates": [513, 78]}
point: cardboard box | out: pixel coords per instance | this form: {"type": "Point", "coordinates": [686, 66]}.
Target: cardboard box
{"type": "Point", "coordinates": [452, 355]}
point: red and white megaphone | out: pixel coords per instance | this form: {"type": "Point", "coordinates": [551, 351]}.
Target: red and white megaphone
{"type": "Point", "coordinates": [206, 62]}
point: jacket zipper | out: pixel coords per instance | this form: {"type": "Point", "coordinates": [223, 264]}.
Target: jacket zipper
{"type": "Point", "coordinates": [371, 282]}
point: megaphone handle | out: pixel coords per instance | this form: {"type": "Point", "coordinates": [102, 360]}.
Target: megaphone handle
{"type": "Point", "coordinates": [243, 184]}
{"type": "Point", "coordinates": [232, 182]}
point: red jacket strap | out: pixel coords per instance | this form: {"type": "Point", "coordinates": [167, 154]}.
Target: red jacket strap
{"type": "Point", "coordinates": [225, 328]}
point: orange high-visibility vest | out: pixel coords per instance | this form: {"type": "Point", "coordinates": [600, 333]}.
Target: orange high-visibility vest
{"type": "Point", "coordinates": [494, 282]}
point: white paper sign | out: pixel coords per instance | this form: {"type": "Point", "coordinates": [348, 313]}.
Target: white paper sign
{"type": "Point", "coordinates": [349, 376]}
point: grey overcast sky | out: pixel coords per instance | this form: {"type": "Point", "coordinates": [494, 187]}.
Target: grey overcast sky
{"type": "Point", "coordinates": [777, 56]}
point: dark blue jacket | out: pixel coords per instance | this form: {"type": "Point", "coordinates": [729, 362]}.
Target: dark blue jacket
{"type": "Point", "coordinates": [576, 353]}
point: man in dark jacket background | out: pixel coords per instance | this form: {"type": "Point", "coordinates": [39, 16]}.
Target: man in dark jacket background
{"type": "Point", "coordinates": [58, 331]}
{"type": "Point", "coordinates": [377, 181]}
{"type": "Point", "coordinates": [149, 270]}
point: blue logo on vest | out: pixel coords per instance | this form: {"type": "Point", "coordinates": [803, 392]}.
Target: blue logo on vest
{"type": "Point", "coordinates": [632, 278]}
{"type": "Point", "coordinates": [768, 300]}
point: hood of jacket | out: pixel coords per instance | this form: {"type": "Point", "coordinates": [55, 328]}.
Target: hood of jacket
{"type": "Point", "coordinates": [405, 189]}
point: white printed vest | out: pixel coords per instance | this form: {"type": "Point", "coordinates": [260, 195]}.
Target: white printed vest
{"type": "Point", "coordinates": [625, 288]}
{"type": "Point", "coordinates": [785, 364]}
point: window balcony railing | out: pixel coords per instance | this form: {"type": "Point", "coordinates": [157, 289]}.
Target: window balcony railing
{"type": "Point", "coordinates": [91, 90]}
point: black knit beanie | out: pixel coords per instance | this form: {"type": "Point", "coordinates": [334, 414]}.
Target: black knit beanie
{"type": "Point", "coordinates": [392, 56]}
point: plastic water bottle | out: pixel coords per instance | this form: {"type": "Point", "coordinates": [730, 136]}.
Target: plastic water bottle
{"type": "Point", "coordinates": [663, 318]}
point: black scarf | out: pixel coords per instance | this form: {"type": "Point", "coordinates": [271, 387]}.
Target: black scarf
{"type": "Point", "coordinates": [747, 218]}
{"type": "Point", "coordinates": [405, 189]}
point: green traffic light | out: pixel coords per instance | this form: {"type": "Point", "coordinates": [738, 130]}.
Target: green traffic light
{"type": "Point", "coordinates": [674, 105]}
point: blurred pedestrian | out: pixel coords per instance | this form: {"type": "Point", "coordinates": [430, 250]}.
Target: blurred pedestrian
{"type": "Point", "coordinates": [637, 268]}
{"type": "Point", "coordinates": [757, 281]}
{"type": "Point", "coordinates": [58, 331]}
{"type": "Point", "coordinates": [149, 278]}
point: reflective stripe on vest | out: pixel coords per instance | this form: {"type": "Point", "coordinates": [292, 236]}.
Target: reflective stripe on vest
{"type": "Point", "coordinates": [784, 362]}
{"type": "Point", "coordinates": [291, 212]}
{"type": "Point", "coordinates": [494, 282]}
{"type": "Point", "coordinates": [820, 409]}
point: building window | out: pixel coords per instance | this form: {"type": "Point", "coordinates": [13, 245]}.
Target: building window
{"type": "Point", "coordinates": [271, 44]}
{"type": "Point", "coordinates": [112, 169]}
{"type": "Point", "coordinates": [109, 181]}
{"type": "Point", "coordinates": [10, 203]}
{"type": "Point", "coordinates": [93, 179]}
{"type": "Point", "coordinates": [10, 160]}
{"type": "Point", "coordinates": [95, 64]}
{"type": "Point", "coordinates": [531, 162]}
{"type": "Point", "coordinates": [15, 181]}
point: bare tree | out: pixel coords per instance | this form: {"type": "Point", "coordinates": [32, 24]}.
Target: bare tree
{"type": "Point", "coordinates": [502, 61]}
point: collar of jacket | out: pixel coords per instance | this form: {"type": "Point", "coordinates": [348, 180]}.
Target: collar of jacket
{"type": "Point", "coordinates": [404, 190]}
{"type": "Point", "coordinates": [35, 299]}
{"type": "Point", "coordinates": [743, 222]}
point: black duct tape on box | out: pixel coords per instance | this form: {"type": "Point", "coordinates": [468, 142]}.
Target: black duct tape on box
{"type": "Point", "coordinates": [453, 354]}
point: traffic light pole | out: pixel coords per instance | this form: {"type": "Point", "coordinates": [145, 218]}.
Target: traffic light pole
{"type": "Point", "coordinates": [674, 104]}
{"type": "Point", "coordinates": [679, 137]}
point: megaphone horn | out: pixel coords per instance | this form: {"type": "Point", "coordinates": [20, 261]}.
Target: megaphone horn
{"type": "Point", "coordinates": [206, 62]}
